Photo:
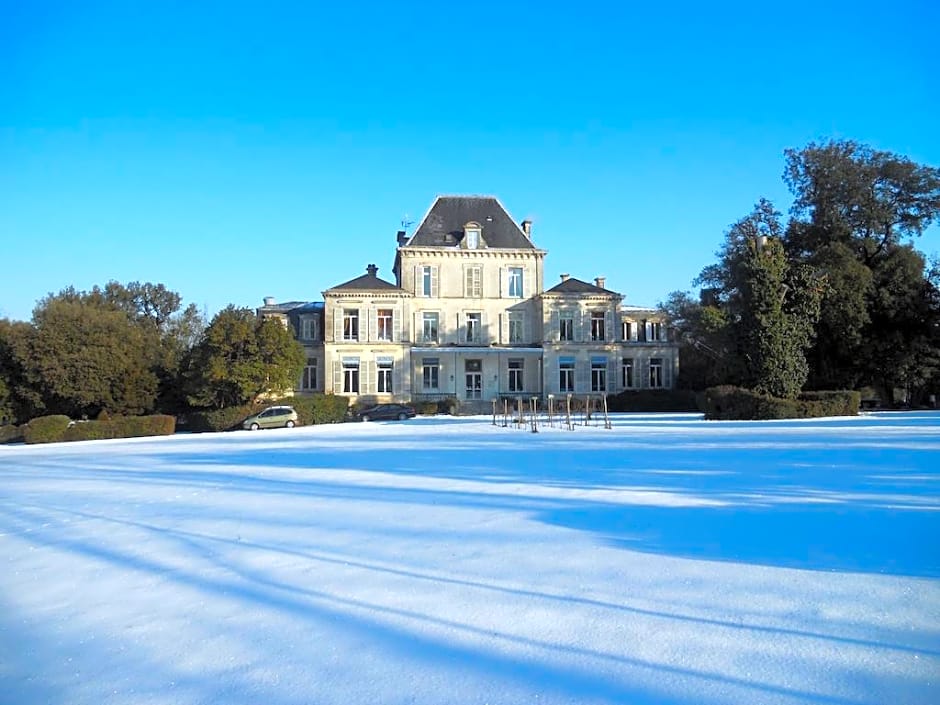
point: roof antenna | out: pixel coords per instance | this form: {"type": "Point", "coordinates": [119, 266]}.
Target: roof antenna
{"type": "Point", "coordinates": [405, 222]}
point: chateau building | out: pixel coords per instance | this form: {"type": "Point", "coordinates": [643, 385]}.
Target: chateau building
{"type": "Point", "coordinates": [468, 316]}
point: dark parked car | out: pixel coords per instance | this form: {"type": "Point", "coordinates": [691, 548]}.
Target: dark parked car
{"type": "Point", "coordinates": [381, 412]}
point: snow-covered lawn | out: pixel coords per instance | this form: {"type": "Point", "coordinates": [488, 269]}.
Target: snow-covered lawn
{"type": "Point", "coordinates": [669, 560]}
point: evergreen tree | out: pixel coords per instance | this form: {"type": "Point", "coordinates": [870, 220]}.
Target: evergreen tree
{"type": "Point", "coordinates": [240, 358]}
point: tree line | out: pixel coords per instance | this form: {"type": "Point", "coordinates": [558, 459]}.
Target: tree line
{"type": "Point", "coordinates": [131, 349]}
{"type": "Point", "coordinates": [836, 297]}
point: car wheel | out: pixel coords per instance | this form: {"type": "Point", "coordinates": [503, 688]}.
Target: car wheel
{"type": "Point", "coordinates": [289, 424]}
{"type": "Point", "coordinates": [365, 417]}
{"type": "Point", "coordinates": [402, 416]}
{"type": "Point", "coordinates": [255, 427]}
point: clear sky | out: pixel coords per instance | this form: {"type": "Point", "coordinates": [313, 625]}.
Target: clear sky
{"type": "Point", "coordinates": [237, 150]}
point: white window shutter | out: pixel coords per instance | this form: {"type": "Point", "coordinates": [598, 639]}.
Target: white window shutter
{"type": "Point", "coordinates": [337, 377]}
{"type": "Point", "coordinates": [582, 376]}
{"type": "Point", "coordinates": [484, 337]}
{"type": "Point", "coordinates": [649, 332]}
{"type": "Point", "coordinates": [504, 327]}
{"type": "Point", "coordinates": [579, 323]}
{"type": "Point", "coordinates": [555, 332]}
{"type": "Point", "coordinates": [337, 323]}
{"type": "Point", "coordinates": [609, 326]}
{"type": "Point", "coordinates": [526, 328]}
{"type": "Point", "coordinates": [419, 281]}
{"type": "Point", "coordinates": [367, 377]}
{"type": "Point", "coordinates": [396, 325]}
{"type": "Point", "coordinates": [503, 282]}
{"type": "Point", "coordinates": [434, 282]}
{"type": "Point", "coordinates": [611, 374]}
{"type": "Point", "coordinates": [526, 284]}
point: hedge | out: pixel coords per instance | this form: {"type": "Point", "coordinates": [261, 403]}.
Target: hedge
{"type": "Point", "coordinates": [318, 408]}
{"type": "Point", "coordinates": [52, 429]}
{"type": "Point", "coordinates": [227, 419]}
{"type": "Point", "coordinates": [121, 427]}
{"type": "Point", "coordinates": [11, 433]}
{"type": "Point", "coordinates": [46, 429]}
{"type": "Point", "coordinates": [730, 403]}
{"type": "Point", "coordinates": [311, 409]}
{"type": "Point", "coordinates": [654, 400]}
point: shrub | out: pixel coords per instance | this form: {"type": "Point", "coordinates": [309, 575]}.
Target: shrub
{"type": "Point", "coordinates": [654, 400]}
{"type": "Point", "coordinates": [427, 408]}
{"type": "Point", "coordinates": [730, 403]}
{"type": "Point", "coordinates": [11, 433]}
{"type": "Point", "coordinates": [46, 429]}
{"type": "Point", "coordinates": [121, 427]}
{"type": "Point", "coordinates": [449, 405]}
{"type": "Point", "coordinates": [318, 408]}
{"type": "Point", "coordinates": [311, 409]}
{"type": "Point", "coordinates": [227, 419]}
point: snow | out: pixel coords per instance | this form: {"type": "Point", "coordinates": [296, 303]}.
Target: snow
{"type": "Point", "coordinates": [447, 560]}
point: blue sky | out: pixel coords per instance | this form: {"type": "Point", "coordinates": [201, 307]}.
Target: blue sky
{"type": "Point", "coordinates": [237, 150]}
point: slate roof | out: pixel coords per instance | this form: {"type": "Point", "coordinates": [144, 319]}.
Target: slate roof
{"type": "Point", "coordinates": [576, 286]}
{"type": "Point", "coordinates": [367, 282]}
{"type": "Point", "coordinates": [443, 225]}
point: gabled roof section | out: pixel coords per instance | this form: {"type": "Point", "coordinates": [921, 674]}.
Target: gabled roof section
{"type": "Point", "coordinates": [367, 282]}
{"type": "Point", "coordinates": [576, 286]}
{"type": "Point", "coordinates": [443, 226]}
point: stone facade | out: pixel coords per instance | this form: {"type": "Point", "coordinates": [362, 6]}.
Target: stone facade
{"type": "Point", "coordinates": [468, 317]}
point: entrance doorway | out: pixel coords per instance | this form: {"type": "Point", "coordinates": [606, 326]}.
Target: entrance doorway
{"type": "Point", "coordinates": [473, 370]}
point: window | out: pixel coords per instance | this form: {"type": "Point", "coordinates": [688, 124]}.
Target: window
{"type": "Point", "coordinates": [384, 381]}
{"type": "Point", "coordinates": [566, 374]}
{"type": "Point", "coordinates": [308, 379]}
{"type": "Point", "coordinates": [598, 374]}
{"type": "Point", "coordinates": [384, 320]}
{"type": "Point", "coordinates": [626, 380]}
{"type": "Point", "coordinates": [473, 282]}
{"type": "Point", "coordinates": [656, 372]}
{"type": "Point", "coordinates": [629, 330]}
{"type": "Point", "coordinates": [351, 375]}
{"type": "Point", "coordinates": [426, 278]}
{"type": "Point", "coordinates": [516, 326]}
{"type": "Point", "coordinates": [654, 331]}
{"type": "Point", "coordinates": [516, 376]}
{"type": "Point", "coordinates": [597, 325]}
{"type": "Point", "coordinates": [429, 327]}
{"type": "Point", "coordinates": [515, 282]}
{"type": "Point", "coordinates": [308, 328]}
{"type": "Point", "coordinates": [430, 372]}
{"type": "Point", "coordinates": [351, 324]}
{"type": "Point", "coordinates": [474, 327]}
{"type": "Point", "coordinates": [566, 327]}
{"type": "Point", "coordinates": [473, 238]}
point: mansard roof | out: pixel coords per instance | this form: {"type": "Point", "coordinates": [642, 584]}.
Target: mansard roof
{"type": "Point", "coordinates": [576, 286]}
{"type": "Point", "coordinates": [443, 226]}
{"type": "Point", "coordinates": [367, 282]}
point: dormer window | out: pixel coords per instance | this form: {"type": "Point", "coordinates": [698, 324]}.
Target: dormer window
{"type": "Point", "coordinates": [471, 235]}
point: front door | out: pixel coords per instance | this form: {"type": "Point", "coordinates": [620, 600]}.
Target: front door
{"type": "Point", "coordinates": [473, 370]}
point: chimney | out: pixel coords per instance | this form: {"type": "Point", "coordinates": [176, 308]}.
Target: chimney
{"type": "Point", "coordinates": [564, 277]}
{"type": "Point", "coordinates": [402, 237]}
{"type": "Point", "coordinates": [527, 228]}
{"type": "Point", "coordinates": [269, 301]}
{"type": "Point", "coordinates": [371, 270]}
{"type": "Point", "coordinates": [599, 282]}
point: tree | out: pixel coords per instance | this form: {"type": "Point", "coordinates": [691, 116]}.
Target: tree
{"type": "Point", "coordinates": [82, 359]}
{"type": "Point", "coordinates": [762, 311]}
{"type": "Point", "coordinates": [779, 310]}
{"type": "Point", "coordinates": [853, 208]}
{"type": "Point", "coordinates": [239, 358]}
